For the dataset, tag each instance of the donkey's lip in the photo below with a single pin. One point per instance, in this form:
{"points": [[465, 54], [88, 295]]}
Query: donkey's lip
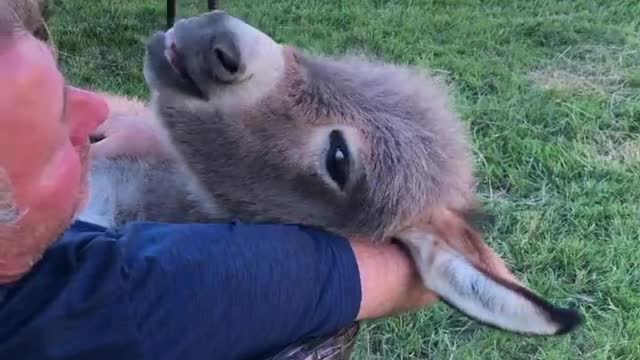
{"points": [[176, 60], [171, 54], [169, 41]]}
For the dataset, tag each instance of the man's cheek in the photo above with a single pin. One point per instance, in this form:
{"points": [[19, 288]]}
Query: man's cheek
{"points": [[61, 179]]}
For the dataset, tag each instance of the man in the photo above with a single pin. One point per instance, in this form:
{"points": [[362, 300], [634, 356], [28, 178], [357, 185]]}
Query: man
{"points": [[73, 290]]}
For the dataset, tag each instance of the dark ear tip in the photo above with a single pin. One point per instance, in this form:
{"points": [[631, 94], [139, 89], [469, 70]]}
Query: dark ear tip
{"points": [[568, 319]]}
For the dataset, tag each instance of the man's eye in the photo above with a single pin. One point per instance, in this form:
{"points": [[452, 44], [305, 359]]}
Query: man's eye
{"points": [[338, 159]]}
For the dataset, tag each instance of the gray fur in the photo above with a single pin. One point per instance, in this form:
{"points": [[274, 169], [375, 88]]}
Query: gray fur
{"points": [[414, 149], [127, 189]]}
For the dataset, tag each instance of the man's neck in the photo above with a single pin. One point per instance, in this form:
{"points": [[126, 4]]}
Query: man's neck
{"points": [[22, 246]]}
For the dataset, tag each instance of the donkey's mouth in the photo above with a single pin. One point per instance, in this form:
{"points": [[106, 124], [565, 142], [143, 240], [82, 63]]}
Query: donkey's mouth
{"points": [[176, 59], [166, 67]]}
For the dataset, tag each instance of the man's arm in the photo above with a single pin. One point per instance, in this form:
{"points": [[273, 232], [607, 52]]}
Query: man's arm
{"points": [[199, 291], [237, 291]]}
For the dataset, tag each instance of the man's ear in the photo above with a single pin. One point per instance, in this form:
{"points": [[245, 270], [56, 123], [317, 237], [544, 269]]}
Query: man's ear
{"points": [[456, 264]]}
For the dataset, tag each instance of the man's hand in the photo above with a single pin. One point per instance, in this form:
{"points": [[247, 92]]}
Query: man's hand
{"points": [[390, 281], [130, 130]]}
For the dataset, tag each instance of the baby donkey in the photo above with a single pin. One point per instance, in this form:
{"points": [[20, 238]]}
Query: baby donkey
{"points": [[368, 150]]}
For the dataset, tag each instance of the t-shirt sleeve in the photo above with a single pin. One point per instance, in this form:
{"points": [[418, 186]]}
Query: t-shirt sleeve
{"points": [[236, 291], [196, 291]]}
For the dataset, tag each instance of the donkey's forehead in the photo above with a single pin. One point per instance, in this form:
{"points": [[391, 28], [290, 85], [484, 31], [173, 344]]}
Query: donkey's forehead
{"points": [[397, 121], [413, 147]]}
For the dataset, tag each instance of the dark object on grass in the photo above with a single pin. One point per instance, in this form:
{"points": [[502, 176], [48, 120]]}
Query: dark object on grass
{"points": [[172, 8], [338, 346]]}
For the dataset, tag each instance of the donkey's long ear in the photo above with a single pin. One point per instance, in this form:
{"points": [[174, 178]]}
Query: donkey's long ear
{"points": [[455, 263]]}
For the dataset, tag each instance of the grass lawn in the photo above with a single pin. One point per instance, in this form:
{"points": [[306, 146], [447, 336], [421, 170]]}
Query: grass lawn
{"points": [[551, 90]]}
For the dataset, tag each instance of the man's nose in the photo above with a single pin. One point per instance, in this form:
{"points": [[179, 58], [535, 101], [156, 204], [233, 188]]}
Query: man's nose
{"points": [[85, 112]]}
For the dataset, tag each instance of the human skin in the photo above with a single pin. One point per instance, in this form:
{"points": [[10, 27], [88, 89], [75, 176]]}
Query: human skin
{"points": [[44, 148]]}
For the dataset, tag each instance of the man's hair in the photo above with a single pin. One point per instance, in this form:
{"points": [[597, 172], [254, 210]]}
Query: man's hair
{"points": [[9, 19], [24, 16]]}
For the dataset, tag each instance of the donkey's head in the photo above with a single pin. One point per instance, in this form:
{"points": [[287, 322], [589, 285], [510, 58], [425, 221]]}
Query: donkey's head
{"points": [[360, 148], [347, 145]]}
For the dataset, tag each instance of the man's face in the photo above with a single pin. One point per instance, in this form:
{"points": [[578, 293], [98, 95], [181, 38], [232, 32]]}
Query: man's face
{"points": [[44, 135]]}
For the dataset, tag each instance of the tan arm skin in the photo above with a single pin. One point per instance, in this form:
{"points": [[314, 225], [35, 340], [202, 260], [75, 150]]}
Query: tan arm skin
{"points": [[389, 279]]}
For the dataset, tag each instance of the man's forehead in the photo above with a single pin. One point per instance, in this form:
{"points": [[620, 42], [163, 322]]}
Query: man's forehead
{"points": [[25, 51], [26, 66]]}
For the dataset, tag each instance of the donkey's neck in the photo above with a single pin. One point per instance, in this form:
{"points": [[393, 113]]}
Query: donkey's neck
{"points": [[127, 189]]}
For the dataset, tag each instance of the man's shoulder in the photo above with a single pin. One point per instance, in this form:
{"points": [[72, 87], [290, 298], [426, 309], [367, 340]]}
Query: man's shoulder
{"points": [[67, 295], [82, 230]]}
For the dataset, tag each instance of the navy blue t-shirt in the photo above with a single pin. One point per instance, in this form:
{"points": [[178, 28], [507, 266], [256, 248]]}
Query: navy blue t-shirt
{"points": [[193, 291]]}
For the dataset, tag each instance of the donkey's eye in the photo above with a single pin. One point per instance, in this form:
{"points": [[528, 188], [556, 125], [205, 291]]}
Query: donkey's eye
{"points": [[96, 138], [338, 159]]}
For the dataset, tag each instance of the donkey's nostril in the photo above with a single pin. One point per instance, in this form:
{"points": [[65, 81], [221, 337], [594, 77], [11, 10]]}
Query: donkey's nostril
{"points": [[229, 62]]}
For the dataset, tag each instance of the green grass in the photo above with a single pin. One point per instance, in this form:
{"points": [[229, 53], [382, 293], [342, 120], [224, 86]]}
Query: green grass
{"points": [[551, 90]]}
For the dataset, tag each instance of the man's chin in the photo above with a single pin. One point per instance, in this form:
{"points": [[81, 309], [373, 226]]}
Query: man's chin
{"points": [[83, 189], [83, 192]]}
